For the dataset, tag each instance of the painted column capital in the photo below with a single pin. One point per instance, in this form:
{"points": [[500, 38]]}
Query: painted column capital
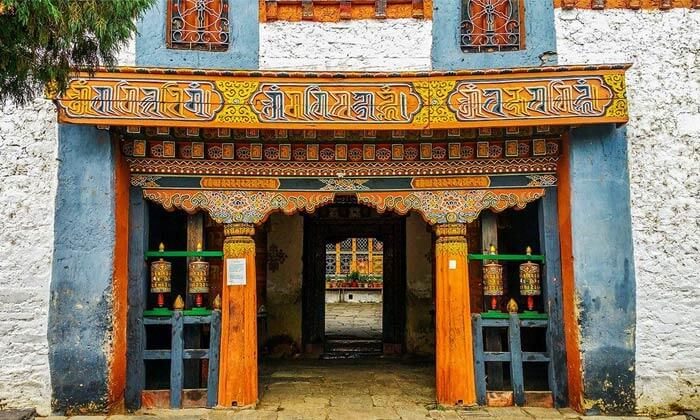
{"points": [[450, 229], [451, 239], [239, 240], [239, 229]]}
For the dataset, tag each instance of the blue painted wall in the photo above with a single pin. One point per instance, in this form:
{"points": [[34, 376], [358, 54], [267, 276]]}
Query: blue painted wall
{"points": [[603, 266], [151, 50], [80, 309], [540, 39]]}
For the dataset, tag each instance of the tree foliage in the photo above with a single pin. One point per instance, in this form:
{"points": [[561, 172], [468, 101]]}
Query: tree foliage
{"points": [[43, 41]]}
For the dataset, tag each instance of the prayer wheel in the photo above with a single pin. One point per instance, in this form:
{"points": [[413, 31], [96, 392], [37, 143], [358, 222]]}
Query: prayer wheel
{"points": [[161, 275], [199, 278], [530, 281], [493, 279]]}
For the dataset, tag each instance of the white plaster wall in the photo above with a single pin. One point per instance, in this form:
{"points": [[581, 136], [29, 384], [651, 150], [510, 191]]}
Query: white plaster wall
{"points": [[664, 141], [27, 192], [28, 165], [357, 45]]}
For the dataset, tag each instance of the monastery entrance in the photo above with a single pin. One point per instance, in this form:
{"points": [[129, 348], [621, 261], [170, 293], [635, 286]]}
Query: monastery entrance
{"points": [[439, 167]]}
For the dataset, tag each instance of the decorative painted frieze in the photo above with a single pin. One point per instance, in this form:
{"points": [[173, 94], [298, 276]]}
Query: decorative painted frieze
{"points": [[344, 184], [337, 10], [436, 207], [627, 4], [346, 101]]}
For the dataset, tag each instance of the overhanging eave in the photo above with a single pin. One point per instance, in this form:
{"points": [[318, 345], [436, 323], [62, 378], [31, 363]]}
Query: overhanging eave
{"points": [[560, 95]]}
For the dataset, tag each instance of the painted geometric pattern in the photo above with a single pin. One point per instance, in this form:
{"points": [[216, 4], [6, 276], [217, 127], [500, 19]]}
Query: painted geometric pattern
{"points": [[627, 4], [331, 136], [352, 152], [348, 169], [552, 95], [334, 11]]}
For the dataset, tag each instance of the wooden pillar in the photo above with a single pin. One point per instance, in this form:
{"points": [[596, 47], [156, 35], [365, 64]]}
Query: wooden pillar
{"points": [[238, 377], [454, 362], [489, 236]]}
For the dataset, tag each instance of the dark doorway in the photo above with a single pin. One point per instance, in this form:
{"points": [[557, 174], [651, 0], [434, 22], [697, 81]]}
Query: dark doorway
{"points": [[337, 223]]}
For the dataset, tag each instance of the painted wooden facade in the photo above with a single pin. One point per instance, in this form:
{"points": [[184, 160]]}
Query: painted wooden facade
{"points": [[449, 145]]}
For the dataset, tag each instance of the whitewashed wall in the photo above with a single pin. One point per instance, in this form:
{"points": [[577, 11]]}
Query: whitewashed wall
{"points": [[360, 45], [664, 140], [27, 192], [28, 165]]}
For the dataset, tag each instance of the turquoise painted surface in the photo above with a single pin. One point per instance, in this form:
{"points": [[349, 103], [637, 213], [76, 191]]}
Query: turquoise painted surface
{"points": [[540, 39], [151, 50], [604, 266], [80, 308]]}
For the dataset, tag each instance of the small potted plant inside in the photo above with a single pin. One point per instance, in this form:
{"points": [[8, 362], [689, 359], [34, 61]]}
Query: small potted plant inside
{"points": [[364, 280], [354, 278]]}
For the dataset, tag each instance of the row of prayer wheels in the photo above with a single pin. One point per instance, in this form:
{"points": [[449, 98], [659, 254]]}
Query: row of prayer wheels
{"points": [[529, 280], [161, 278]]}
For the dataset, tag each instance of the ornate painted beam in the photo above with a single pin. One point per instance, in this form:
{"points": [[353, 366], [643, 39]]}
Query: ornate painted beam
{"points": [[254, 207], [127, 96]]}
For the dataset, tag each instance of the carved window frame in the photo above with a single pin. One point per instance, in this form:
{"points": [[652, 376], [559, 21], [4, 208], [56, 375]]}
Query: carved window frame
{"points": [[213, 36], [509, 36]]}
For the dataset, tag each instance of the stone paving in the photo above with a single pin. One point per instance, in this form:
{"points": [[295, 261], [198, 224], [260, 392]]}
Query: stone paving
{"points": [[348, 390], [358, 320]]}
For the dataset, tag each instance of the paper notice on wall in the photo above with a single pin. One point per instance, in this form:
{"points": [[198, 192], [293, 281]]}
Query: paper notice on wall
{"points": [[235, 272]]}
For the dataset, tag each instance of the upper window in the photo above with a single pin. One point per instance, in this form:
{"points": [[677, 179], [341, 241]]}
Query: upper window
{"points": [[198, 24], [492, 25]]}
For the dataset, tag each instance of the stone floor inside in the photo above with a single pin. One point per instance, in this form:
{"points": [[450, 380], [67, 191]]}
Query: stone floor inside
{"points": [[358, 320], [351, 389]]}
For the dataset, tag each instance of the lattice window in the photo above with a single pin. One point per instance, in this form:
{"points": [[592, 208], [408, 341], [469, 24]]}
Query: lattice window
{"points": [[198, 24], [330, 264], [492, 25]]}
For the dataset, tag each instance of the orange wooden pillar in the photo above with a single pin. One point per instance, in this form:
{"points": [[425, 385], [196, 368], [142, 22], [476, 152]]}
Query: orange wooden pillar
{"points": [[454, 359], [238, 376]]}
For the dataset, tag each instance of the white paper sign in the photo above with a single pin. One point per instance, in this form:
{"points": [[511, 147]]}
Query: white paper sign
{"points": [[235, 272], [453, 264]]}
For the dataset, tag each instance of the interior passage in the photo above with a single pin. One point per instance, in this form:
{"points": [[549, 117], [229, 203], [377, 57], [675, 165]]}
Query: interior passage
{"points": [[354, 320]]}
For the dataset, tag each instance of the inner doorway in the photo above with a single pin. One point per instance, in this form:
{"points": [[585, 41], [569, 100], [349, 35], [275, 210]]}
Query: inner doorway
{"points": [[354, 289], [354, 282]]}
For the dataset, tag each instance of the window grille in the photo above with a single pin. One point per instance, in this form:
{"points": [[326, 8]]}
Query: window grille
{"points": [[198, 24], [491, 25]]}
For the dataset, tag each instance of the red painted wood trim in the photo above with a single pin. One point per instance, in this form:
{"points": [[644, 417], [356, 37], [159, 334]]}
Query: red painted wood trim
{"points": [[117, 363], [571, 330]]}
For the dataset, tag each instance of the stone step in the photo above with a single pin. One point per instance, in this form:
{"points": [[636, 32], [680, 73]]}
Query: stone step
{"points": [[352, 348]]}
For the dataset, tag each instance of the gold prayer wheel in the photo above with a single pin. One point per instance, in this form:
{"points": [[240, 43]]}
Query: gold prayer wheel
{"points": [[161, 275], [493, 279], [199, 277], [530, 280]]}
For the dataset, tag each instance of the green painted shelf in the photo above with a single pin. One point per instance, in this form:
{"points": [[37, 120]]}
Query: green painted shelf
{"points": [[506, 257], [165, 312], [505, 315], [183, 254]]}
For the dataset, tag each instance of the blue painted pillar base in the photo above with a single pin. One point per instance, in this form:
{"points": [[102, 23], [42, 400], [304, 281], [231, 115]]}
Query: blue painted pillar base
{"points": [[80, 309], [603, 267]]}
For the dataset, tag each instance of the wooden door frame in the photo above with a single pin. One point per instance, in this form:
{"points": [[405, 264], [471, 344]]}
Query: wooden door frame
{"points": [[391, 230]]}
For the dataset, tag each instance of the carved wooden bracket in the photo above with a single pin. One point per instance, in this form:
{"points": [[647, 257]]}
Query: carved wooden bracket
{"points": [[436, 207]]}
